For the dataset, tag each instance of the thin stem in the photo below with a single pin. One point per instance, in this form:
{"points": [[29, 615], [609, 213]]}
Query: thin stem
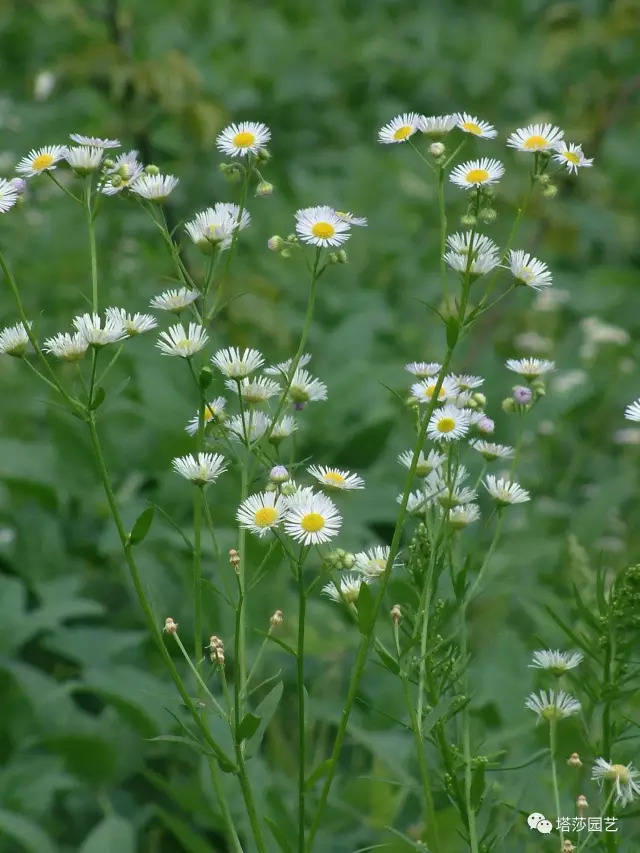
{"points": [[240, 634], [302, 606], [466, 739], [554, 775], [92, 245], [200, 681], [197, 575], [443, 230], [63, 188], [224, 807]]}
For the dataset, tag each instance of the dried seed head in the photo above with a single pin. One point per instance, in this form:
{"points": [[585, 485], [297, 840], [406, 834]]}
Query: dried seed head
{"points": [[170, 627], [581, 802], [276, 619], [396, 613], [568, 847], [216, 650], [574, 760], [234, 558]]}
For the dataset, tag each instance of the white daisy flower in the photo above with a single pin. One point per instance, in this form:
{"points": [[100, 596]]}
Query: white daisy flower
{"points": [[552, 705], [530, 368], [529, 270], [174, 300], [632, 412], [312, 519], [215, 226], [490, 450], [426, 464], [572, 157], [95, 333], [305, 388], [556, 661], [424, 391], [460, 243], [504, 491], [321, 226], [125, 170], [182, 343], [213, 413], [474, 126], [423, 369], [254, 425], [40, 160], [477, 173], [8, 195], [335, 478], [247, 137], [283, 367], [535, 137], [466, 382], [462, 515], [83, 159], [348, 589], [154, 187], [625, 778], [202, 469], [14, 340], [448, 424], [351, 218], [285, 427], [450, 492], [94, 141], [415, 502], [261, 513], [133, 324], [372, 562], [235, 363], [66, 347], [481, 264], [485, 253], [254, 391], [400, 128], [437, 126]]}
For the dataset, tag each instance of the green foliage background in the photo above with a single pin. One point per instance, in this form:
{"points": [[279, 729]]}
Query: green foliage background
{"points": [[83, 690]]}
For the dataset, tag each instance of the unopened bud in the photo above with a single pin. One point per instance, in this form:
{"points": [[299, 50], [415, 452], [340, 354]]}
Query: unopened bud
{"points": [[152, 169], [278, 474], [108, 163], [264, 155], [234, 558], [508, 405], [437, 149], [19, 185], [522, 395], [275, 243], [480, 399], [574, 760], [285, 253], [550, 191], [264, 189], [581, 802], [343, 258], [539, 387], [468, 220], [396, 613], [205, 377], [487, 215], [486, 426], [276, 619], [170, 627], [289, 489]]}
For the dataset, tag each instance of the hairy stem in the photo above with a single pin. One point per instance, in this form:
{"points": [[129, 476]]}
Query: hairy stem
{"points": [[302, 606]]}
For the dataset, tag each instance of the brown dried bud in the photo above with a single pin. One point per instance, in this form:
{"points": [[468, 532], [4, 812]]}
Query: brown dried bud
{"points": [[276, 619], [396, 613], [582, 803], [234, 558], [170, 627], [216, 650], [574, 760], [568, 847]]}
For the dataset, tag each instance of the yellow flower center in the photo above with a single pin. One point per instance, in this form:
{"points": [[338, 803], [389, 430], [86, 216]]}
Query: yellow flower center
{"points": [[334, 477], [244, 139], [323, 230], [477, 176], [428, 392], [571, 156], [265, 516], [446, 424], [618, 772], [403, 132], [472, 127], [312, 522], [535, 143], [42, 161], [209, 414], [526, 274]]}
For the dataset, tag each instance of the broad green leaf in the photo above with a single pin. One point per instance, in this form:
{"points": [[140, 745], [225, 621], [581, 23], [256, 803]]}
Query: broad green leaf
{"points": [[247, 727], [25, 832], [113, 834], [141, 526], [265, 711]]}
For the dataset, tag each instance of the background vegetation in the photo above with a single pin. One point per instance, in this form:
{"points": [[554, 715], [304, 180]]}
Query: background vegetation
{"points": [[82, 687]]}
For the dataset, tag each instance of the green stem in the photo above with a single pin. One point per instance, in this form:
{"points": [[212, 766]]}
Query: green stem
{"points": [[64, 189], [302, 606], [197, 576], [199, 680], [466, 739], [92, 246], [443, 230], [240, 640], [224, 807], [554, 775]]}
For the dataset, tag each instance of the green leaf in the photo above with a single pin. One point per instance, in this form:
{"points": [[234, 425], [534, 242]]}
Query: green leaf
{"points": [[388, 661], [98, 398], [265, 711], [193, 744], [453, 330], [366, 609], [113, 834], [280, 835], [27, 833], [321, 770], [248, 726], [141, 526], [477, 787]]}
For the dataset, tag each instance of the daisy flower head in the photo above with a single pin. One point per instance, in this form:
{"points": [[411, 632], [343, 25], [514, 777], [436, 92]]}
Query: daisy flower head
{"points": [[97, 334], [283, 428], [530, 368], [484, 253], [321, 226], [261, 513], [254, 391], [426, 464], [625, 779], [93, 141], [203, 469], [334, 478], [490, 450], [529, 270], [461, 244], [305, 388], [351, 218], [466, 382], [535, 137], [14, 340], [423, 369], [415, 502], [632, 411], [347, 589], [572, 157], [40, 160], [400, 128], [8, 195], [133, 324], [213, 413], [437, 126], [424, 391], [552, 705], [125, 170], [174, 300], [283, 367], [372, 562], [247, 137], [237, 364], [470, 124], [312, 518], [181, 342], [66, 347], [448, 424], [505, 492], [154, 188], [462, 515], [215, 226], [83, 159], [481, 262], [253, 428], [477, 173], [450, 493], [556, 661]]}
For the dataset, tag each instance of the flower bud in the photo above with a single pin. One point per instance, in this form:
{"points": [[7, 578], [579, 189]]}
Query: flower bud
{"points": [[550, 191], [488, 215], [279, 474], [396, 613], [19, 185], [289, 489], [234, 558], [437, 149], [508, 405], [522, 395], [205, 377], [539, 387], [581, 803], [108, 163], [479, 399], [264, 189], [264, 155], [468, 220], [276, 619], [342, 256], [152, 169], [568, 847], [170, 627], [574, 760], [285, 253], [275, 243], [486, 426]]}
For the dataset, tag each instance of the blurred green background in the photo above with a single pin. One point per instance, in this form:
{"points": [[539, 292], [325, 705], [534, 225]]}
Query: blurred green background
{"points": [[82, 687]]}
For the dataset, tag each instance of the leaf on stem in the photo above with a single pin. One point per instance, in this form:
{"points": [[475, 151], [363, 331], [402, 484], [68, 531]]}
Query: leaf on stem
{"points": [[141, 526]]}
